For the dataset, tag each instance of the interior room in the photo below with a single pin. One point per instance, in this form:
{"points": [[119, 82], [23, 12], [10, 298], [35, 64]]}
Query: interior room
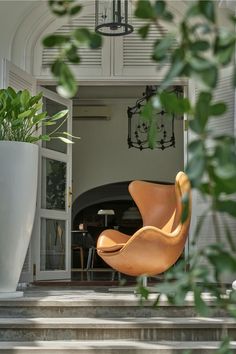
{"points": [[100, 120]]}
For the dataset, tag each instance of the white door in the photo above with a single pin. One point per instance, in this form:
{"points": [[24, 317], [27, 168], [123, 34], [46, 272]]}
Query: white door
{"points": [[11, 75], [52, 242], [221, 125]]}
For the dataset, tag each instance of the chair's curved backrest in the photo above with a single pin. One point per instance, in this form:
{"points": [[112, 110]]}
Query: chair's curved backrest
{"points": [[159, 204]]}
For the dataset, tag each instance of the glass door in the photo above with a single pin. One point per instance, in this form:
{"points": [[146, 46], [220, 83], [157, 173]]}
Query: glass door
{"points": [[53, 242]]}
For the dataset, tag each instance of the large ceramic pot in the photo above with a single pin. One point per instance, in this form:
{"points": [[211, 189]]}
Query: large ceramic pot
{"points": [[18, 191]]}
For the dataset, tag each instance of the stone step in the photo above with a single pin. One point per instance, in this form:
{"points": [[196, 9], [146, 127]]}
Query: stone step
{"points": [[109, 347], [67, 305], [144, 329]]}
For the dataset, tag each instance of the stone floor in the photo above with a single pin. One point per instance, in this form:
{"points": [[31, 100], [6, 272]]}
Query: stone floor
{"points": [[93, 293]]}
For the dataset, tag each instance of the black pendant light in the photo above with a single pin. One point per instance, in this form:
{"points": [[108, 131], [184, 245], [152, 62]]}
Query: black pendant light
{"points": [[138, 130], [111, 18]]}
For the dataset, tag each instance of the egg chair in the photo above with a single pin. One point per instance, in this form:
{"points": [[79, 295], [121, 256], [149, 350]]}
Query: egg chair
{"points": [[160, 242]]}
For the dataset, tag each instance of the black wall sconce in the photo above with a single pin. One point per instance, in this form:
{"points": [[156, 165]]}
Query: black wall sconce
{"points": [[165, 124]]}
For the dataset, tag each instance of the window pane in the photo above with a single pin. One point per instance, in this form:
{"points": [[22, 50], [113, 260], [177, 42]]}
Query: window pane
{"points": [[53, 184], [52, 245], [52, 107]]}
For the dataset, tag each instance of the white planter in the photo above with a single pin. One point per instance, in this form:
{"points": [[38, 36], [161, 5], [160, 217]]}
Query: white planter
{"points": [[18, 191]]}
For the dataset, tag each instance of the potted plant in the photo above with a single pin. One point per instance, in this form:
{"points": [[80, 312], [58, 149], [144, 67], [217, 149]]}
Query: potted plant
{"points": [[21, 123]]}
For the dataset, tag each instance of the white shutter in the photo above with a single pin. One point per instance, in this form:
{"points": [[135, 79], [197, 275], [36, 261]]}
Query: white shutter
{"points": [[219, 125], [138, 51], [17, 78], [133, 55], [20, 80], [88, 56]]}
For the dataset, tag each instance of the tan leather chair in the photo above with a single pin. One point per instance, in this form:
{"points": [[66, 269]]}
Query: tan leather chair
{"points": [[160, 242]]}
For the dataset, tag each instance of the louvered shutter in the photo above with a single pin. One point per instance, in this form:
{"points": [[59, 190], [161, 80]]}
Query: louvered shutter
{"points": [[133, 54], [19, 80], [220, 125], [94, 62]]}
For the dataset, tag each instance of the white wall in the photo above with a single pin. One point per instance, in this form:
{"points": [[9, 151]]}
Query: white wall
{"points": [[12, 14], [102, 155], [18, 19]]}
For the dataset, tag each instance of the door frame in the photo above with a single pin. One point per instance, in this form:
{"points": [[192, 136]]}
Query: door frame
{"points": [[54, 214], [136, 82]]}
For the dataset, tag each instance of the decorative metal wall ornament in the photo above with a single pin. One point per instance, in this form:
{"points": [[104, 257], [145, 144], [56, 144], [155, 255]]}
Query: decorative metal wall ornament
{"points": [[138, 129], [111, 18]]}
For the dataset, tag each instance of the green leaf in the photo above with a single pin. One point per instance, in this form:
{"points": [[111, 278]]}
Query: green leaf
{"points": [[229, 236], [199, 45], [32, 139], [152, 134], [196, 147], [11, 92], [144, 30], [48, 123], [226, 170], [210, 77], [67, 85], [225, 186], [162, 46], [218, 109], [36, 99], [45, 137], [198, 228], [75, 10], [224, 347], [198, 63], [95, 41], [24, 114], [207, 8], [147, 111], [60, 7], [224, 160], [196, 168], [224, 54], [70, 135], [159, 7], [72, 55], [81, 35], [175, 70], [39, 117], [193, 10], [167, 16], [56, 67], [226, 206], [173, 104], [65, 140], [202, 28], [222, 260], [59, 115], [144, 10], [55, 40], [201, 112], [24, 97], [185, 205], [199, 303]]}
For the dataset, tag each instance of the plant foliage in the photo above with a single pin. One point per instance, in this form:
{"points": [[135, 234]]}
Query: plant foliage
{"points": [[68, 46], [203, 50], [22, 117]]}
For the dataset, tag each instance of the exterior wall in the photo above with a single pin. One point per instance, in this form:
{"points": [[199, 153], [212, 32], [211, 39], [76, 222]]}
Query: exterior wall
{"points": [[12, 14], [23, 23], [102, 155]]}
